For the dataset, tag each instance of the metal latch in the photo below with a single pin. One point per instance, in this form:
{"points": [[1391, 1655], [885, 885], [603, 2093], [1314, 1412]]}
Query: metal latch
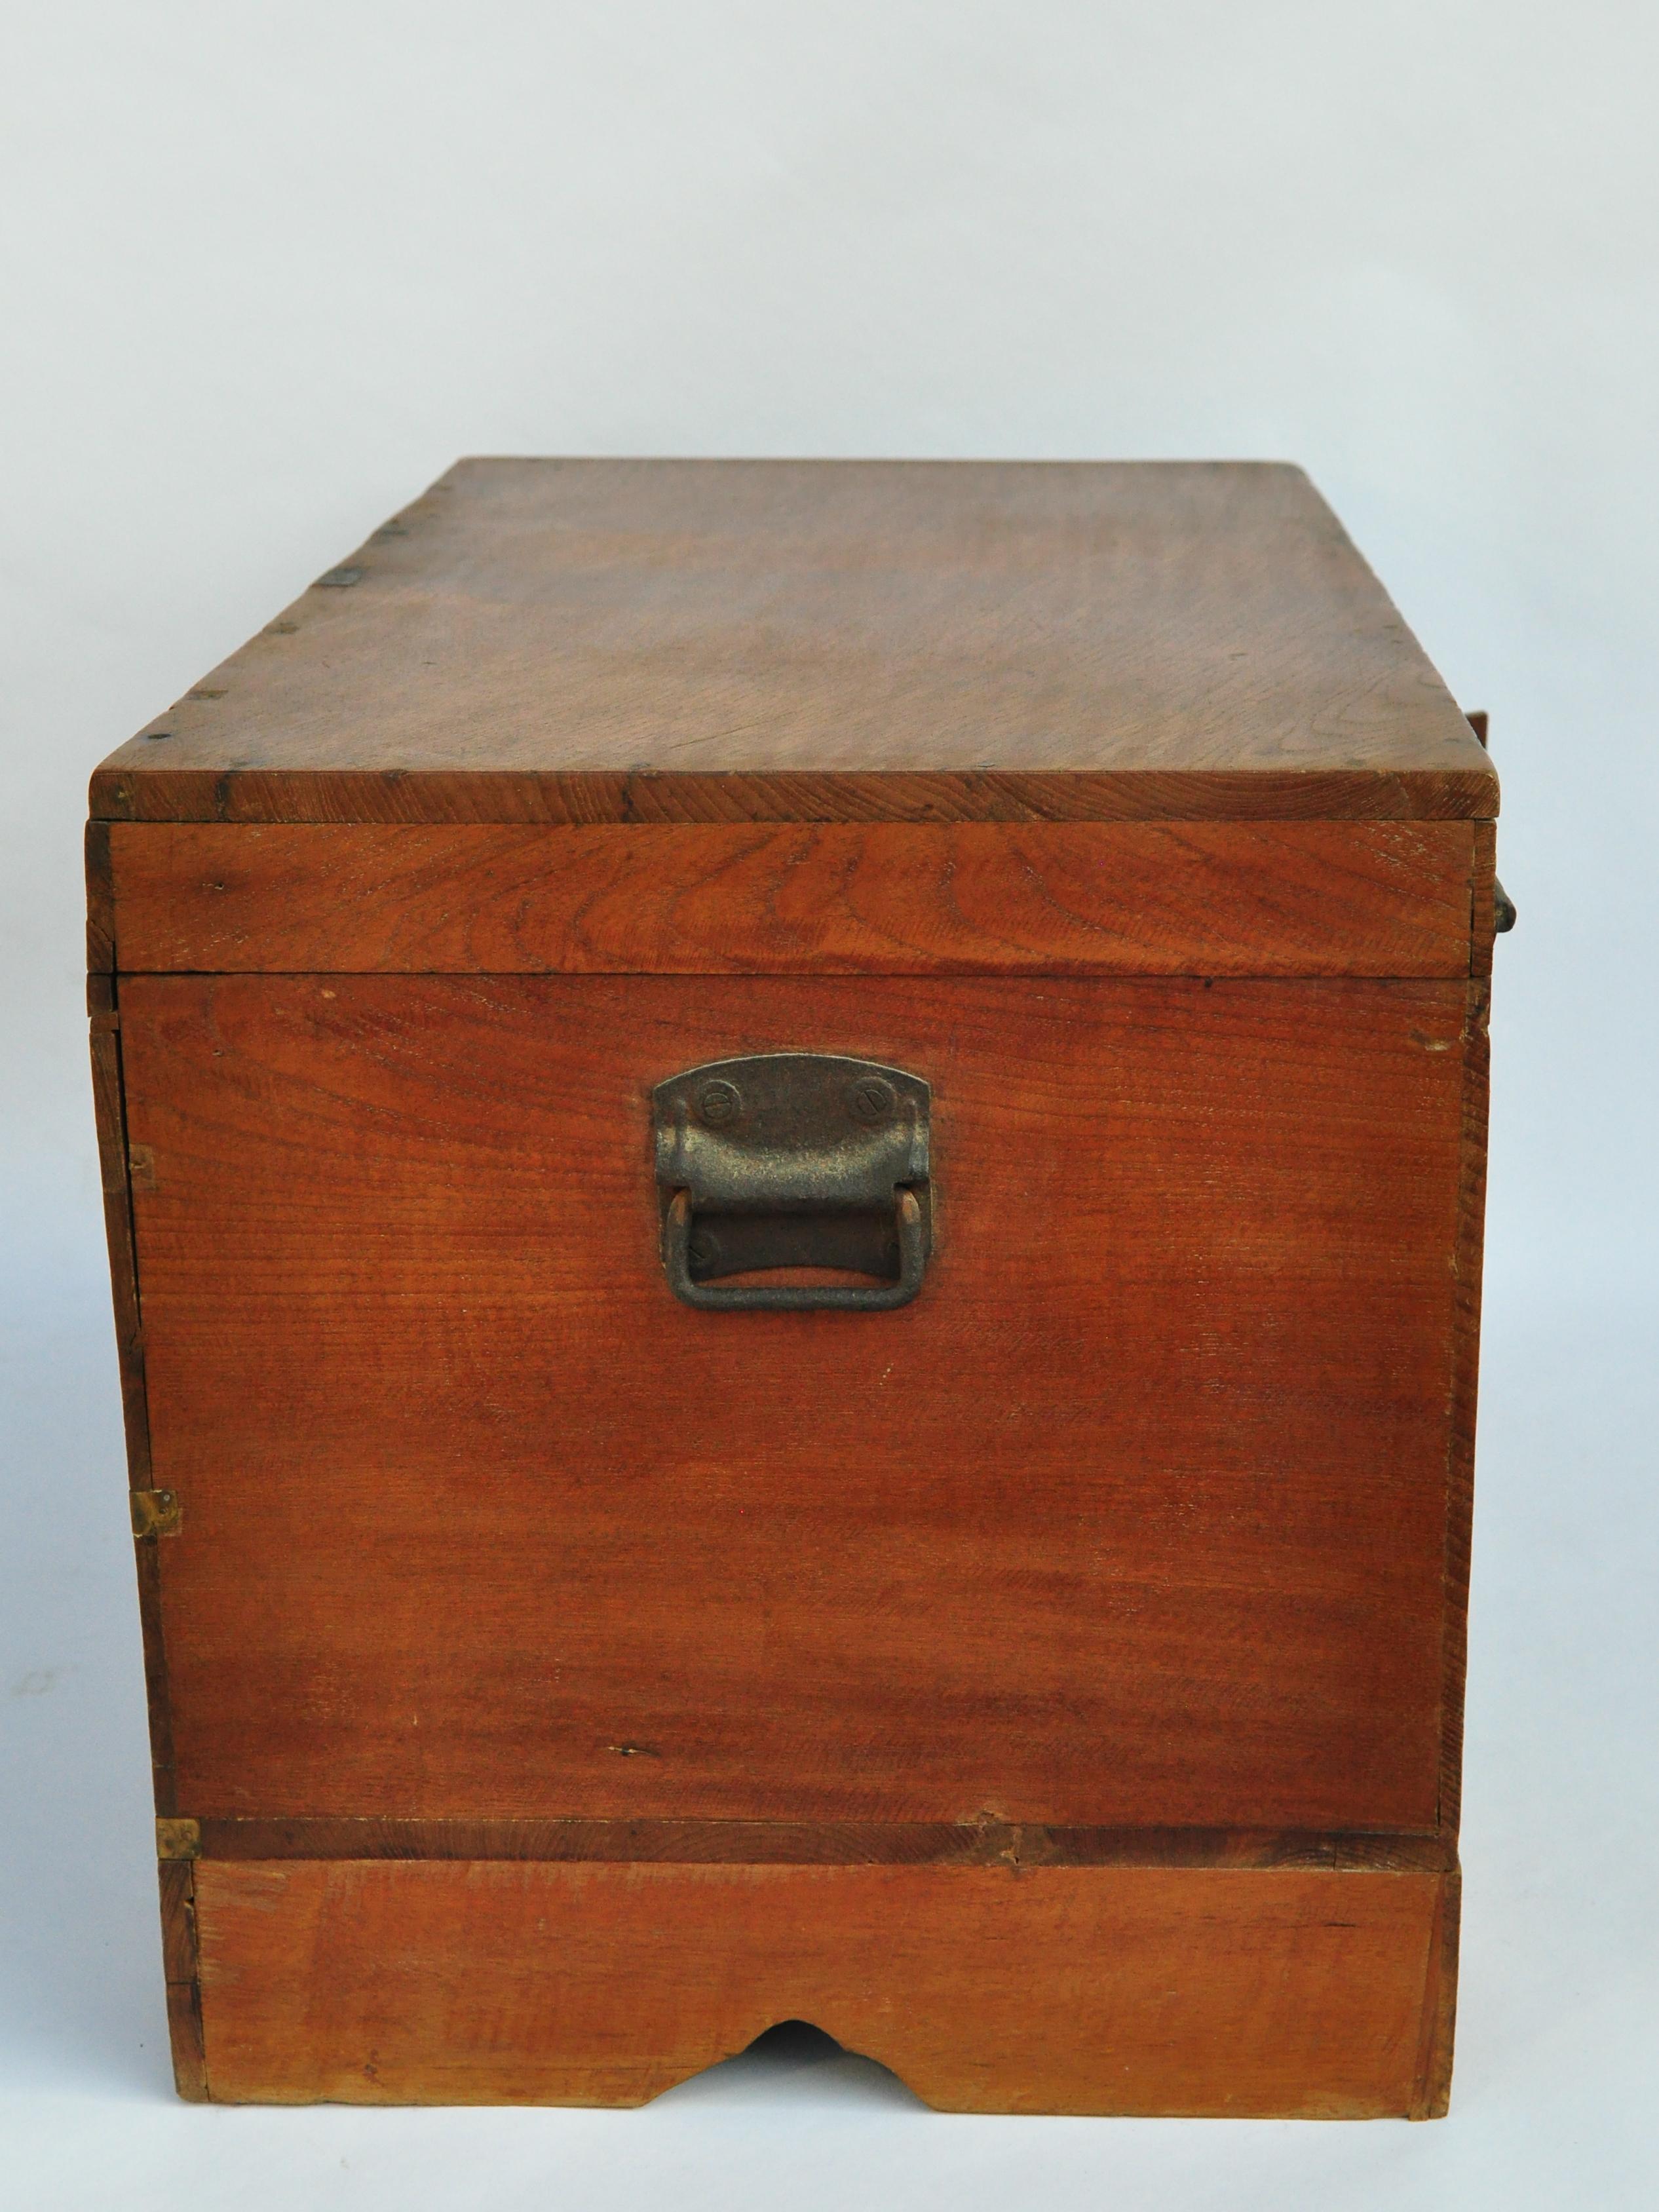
{"points": [[793, 1159]]}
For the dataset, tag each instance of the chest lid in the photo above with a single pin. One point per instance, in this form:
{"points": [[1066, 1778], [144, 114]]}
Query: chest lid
{"points": [[672, 641]]}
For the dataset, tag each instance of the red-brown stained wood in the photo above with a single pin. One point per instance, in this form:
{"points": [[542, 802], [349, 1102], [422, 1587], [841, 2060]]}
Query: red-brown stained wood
{"points": [[101, 911], [179, 1956], [1137, 1515], [1483, 913], [1053, 1687], [1432, 2100], [175, 1879], [1135, 898], [1466, 1262], [118, 794], [185, 2036], [158, 1700], [829, 1843], [110, 1114], [604, 641], [1136, 1990], [1462, 1394]]}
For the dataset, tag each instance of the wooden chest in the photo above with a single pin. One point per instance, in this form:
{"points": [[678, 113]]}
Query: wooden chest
{"points": [[795, 1164]]}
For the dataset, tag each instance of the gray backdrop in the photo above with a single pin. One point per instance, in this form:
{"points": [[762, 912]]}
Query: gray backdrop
{"points": [[266, 270]]}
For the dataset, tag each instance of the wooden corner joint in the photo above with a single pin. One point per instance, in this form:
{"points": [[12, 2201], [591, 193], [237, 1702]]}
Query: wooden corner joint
{"points": [[178, 1839], [155, 1512], [182, 1968]]}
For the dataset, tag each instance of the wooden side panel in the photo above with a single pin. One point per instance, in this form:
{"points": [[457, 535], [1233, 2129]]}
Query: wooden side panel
{"points": [[1433, 2097], [1328, 898], [1467, 1266], [1130, 1991], [101, 906], [1467, 1263], [1137, 1515], [177, 1885], [108, 1108]]}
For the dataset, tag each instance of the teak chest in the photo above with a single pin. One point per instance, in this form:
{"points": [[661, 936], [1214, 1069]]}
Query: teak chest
{"points": [[794, 1157]]}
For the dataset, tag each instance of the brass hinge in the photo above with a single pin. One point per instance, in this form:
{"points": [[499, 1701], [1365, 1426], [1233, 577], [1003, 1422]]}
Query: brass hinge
{"points": [[178, 1839], [155, 1512]]}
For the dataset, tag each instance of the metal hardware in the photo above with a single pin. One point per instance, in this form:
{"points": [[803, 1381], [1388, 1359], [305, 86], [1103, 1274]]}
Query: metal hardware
{"points": [[178, 1839], [155, 1512], [793, 1159]]}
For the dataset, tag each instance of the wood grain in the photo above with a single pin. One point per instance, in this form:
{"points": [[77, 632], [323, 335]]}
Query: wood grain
{"points": [[1464, 1347], [1135, 898], [583, 641], [1053, 1688], [125, 793], [826, 1842], [1483, 906], [109, 1108], [1432, 2100], [1136, 1516], [178, 1958], [1463, 1393], [1127, 1989], [101, 908], [109, 1112]]}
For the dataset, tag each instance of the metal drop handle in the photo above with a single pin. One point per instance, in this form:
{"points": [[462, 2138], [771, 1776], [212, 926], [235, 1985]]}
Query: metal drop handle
{"points": [[793, 1297], [793, 1159]]}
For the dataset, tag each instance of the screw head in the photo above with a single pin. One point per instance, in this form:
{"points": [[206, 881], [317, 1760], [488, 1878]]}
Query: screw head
{"points": [[870, 1100], [718, 1104]]}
